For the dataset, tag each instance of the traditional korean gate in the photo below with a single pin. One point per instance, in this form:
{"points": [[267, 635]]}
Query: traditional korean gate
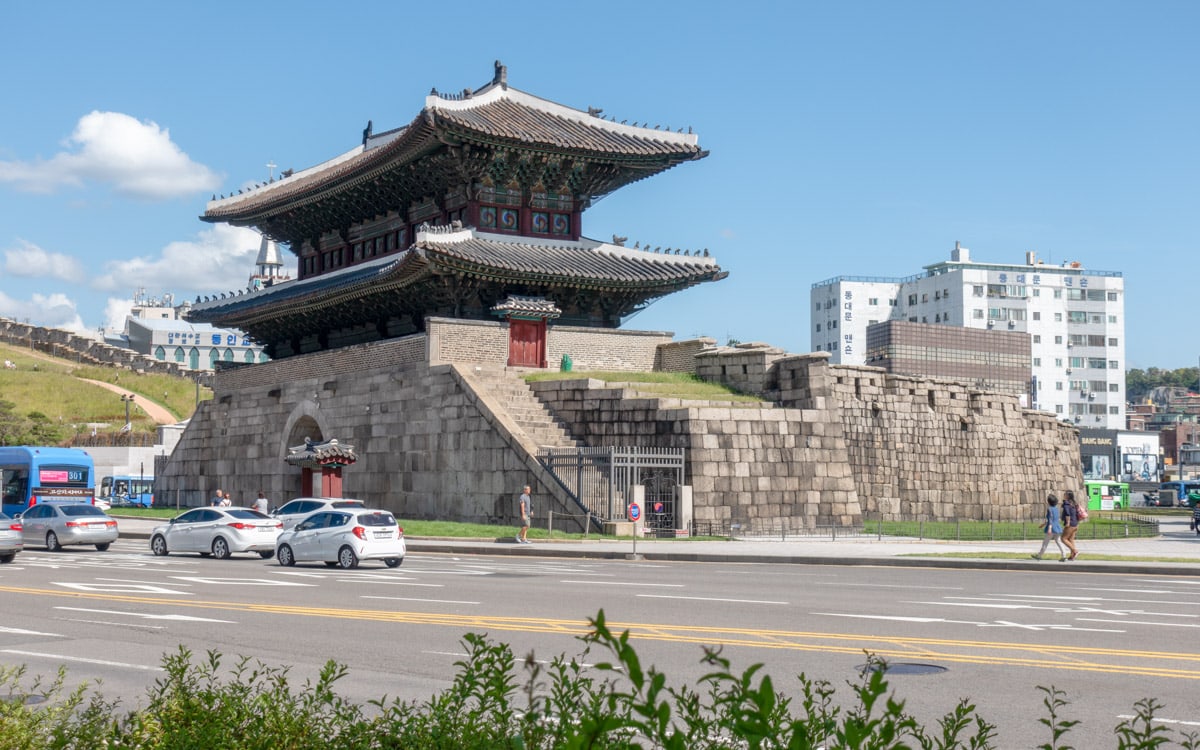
{"points": [[526, 343]]}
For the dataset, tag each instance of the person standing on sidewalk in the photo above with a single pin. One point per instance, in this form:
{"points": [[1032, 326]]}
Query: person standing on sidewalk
{"points": [[1070, 523], [1052, 529], [525, 506]]}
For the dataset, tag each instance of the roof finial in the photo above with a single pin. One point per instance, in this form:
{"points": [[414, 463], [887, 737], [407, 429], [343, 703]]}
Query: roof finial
{"points": [[501, 76], [367, 131]]}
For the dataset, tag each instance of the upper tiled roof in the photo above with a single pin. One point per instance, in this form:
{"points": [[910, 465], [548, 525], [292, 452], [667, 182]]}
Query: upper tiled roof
{"points": [[494, 116]]}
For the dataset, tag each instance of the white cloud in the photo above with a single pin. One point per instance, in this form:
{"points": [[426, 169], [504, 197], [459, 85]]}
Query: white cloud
{"points": [[29, 261], [217, 260], [53, 311], [136, 158], [116, 310]]}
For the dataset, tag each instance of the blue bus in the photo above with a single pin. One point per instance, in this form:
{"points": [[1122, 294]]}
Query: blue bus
{"points": [[124, 490], [35, 474]]}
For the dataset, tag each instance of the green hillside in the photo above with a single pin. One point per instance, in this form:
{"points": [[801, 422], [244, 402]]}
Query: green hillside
{"points": [[45, 400]]}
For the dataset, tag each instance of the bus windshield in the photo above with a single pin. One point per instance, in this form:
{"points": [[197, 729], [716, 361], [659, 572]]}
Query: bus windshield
{"points": [[124, 489]]}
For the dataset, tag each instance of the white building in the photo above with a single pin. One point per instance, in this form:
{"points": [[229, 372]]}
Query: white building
{"points": [[1075, 318]]}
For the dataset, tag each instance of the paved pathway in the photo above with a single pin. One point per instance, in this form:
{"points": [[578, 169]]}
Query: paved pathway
{"points": [[153, 410]]}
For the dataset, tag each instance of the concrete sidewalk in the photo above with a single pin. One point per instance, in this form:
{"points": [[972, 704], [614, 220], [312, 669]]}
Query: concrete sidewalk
{"points": [[1176, 542]]}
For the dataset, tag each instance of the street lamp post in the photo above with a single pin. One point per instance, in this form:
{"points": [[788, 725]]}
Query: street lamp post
{"points": [[128, 428]]}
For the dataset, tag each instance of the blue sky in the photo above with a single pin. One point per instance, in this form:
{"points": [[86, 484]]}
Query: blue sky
{"points": [[847, 138]]}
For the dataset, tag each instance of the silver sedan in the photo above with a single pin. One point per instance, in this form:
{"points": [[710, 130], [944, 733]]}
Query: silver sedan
{"points": [[11, 539], [218, 532], [59, 524]]}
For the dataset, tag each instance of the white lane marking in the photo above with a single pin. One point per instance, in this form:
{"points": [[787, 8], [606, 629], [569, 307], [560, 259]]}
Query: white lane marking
{"points": [[140, 588], [239, 581], [20, 631], [413, 599], [1161, 720], [1016, 597], [987, 604], [709, 599], [178, 618], [127, 626], [1139, 622], [395, 583], [81, 660], [630, 584], [996, 624], [1168, 582], [125, 580], [1128, 591], [887, 586]]}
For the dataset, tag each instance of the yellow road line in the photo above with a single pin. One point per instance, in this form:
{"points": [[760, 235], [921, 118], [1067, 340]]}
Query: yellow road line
{"points": [[1114, 661]]}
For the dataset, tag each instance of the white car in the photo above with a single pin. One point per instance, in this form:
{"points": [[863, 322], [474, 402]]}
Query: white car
{"points": [[218, 532], [11, 539], [59, 524], [343, 537], [291, 513]]}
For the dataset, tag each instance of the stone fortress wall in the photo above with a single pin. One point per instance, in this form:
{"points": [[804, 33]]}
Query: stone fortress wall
{"points": [[829, 444]]}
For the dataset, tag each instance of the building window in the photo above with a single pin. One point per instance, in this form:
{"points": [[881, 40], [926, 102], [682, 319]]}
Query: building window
{"points": [[1112, 319], [1114, 387], [1037, 292], [977, 290], [1058, 385], [893, 301], [1037, 338], [1037, 315], [1058, 408], [925, 297], [937, 318], [1112, 296], [912, 299], [1037, 361], [872, 300], [1058, 340], [818, 307], [1112, 342], [912, 318], [1057, 317], [832, 324], [1114, 364], [818, 327], [977, 314], [160, 353], [1057, 294], [1058, 361]]}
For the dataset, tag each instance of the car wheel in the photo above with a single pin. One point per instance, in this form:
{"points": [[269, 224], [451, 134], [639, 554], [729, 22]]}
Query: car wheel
{"points": [[346, 558], [102, 547], [393, 562], [7, 558], [158, 545], [285, 556], [220, 548], [267, 554], [52, 544]]}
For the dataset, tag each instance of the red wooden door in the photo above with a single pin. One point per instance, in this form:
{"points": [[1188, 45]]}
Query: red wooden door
{"points": [[527, 343]]}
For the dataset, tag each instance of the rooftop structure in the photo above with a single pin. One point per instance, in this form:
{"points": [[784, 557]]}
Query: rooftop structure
{"points": [[479, 199]]}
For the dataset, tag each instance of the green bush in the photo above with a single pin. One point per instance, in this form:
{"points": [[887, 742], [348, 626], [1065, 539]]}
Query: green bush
{"points": [[612, 704]]}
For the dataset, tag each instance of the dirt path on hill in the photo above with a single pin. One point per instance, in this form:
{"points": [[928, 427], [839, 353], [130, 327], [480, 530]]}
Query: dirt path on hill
{"points": [[153, 410]]}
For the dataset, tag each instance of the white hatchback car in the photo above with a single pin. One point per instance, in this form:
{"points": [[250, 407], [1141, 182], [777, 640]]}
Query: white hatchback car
{"points": [[291, 513], [218, 532], [343, 537]]}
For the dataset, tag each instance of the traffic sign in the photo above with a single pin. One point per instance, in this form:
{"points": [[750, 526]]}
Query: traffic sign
{"points": [[635, 511]]}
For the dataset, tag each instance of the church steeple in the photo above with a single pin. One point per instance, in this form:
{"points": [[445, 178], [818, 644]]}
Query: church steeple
{"points": [[268, 266]]}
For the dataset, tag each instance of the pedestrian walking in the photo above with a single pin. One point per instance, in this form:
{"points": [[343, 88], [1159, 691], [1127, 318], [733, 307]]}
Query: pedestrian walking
{"points": [[525, 506], [1052, 528], [1070, 523], [226, 501], [217, 498]]}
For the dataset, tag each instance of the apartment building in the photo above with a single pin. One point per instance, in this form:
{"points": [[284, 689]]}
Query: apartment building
{"points": [[1075, 318]]}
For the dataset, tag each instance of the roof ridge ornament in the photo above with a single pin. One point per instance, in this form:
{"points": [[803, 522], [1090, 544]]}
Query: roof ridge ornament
{"points": [[501, 75]]}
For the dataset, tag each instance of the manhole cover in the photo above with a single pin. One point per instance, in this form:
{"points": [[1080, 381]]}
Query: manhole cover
{"points": [[903, 668], [28, 700]]}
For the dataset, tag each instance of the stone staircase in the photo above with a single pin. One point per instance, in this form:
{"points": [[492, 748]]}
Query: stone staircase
{"points": [[509, 391]]}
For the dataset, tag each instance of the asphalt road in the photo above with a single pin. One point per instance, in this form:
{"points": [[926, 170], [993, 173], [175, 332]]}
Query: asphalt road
{"points": [[1106, 638]]}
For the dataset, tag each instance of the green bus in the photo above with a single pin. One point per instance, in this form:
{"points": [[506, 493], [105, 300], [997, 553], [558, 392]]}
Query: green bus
{"points": [[1105, 495]]}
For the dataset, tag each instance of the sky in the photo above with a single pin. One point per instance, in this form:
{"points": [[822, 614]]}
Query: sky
{"points": [[844, 138]]}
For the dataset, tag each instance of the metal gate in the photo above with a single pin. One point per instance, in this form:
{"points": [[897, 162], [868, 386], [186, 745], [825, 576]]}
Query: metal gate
{"points": [[600, 480]]}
